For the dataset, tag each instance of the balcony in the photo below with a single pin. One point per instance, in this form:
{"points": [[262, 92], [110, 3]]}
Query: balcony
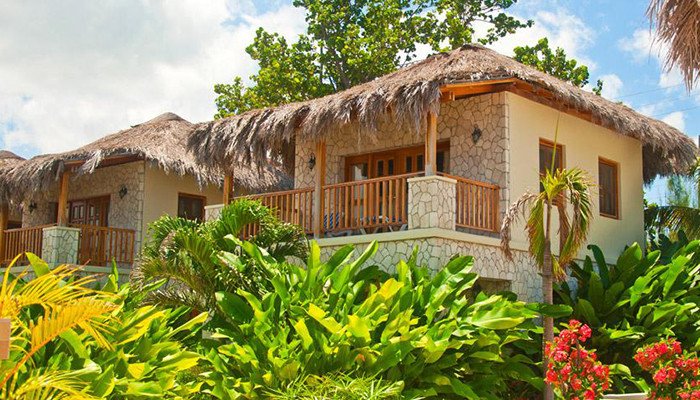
{"points": [[387, 204], [74, 244]]}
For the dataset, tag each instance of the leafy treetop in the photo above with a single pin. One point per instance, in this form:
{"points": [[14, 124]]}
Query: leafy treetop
{"points": [[348, 42], [555, 62]]}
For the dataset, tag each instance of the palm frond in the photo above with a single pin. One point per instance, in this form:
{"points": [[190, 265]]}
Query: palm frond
{"points": [[678, 25], [54, 385], [577, 186], [677, 218], [512, 215]]}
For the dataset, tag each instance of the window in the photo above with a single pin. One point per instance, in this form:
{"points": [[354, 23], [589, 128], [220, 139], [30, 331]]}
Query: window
{"points": [[546, 152], [394, 162], [191, 207], [608, 187]]}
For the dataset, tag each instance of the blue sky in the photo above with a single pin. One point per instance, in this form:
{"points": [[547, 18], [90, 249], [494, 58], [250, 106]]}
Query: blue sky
{"points": [[76, 70]]}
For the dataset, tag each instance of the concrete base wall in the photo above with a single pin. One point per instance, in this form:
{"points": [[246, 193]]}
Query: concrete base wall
{"points": [[437, 246]]}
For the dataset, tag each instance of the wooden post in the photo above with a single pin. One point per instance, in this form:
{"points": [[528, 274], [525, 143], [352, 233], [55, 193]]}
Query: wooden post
{"points": [[228, 188], [5, 332], [431, 145], [320, 181], [62, 219], [4, 217]]}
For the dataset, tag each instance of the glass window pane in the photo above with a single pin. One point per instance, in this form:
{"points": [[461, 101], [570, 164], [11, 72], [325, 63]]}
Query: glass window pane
{"points": [[409, 164], [419, 161], [607, 181], [390, 167]]}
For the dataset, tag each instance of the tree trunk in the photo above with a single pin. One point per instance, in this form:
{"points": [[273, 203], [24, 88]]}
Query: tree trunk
{"points": [[548, 298]]}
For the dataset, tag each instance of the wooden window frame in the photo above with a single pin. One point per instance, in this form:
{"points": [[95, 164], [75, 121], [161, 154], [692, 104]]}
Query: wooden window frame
{"points": [[397, 154], [616, 167], [192, 196], [560, 148]]}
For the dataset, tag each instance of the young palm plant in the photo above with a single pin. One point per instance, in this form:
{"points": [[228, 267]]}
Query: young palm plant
{"points": [[677, 217], [199, 259], [52, 304], [558, 189]]}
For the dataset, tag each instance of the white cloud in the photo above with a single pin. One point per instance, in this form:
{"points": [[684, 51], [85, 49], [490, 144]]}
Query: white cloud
{"points": [[73, 71], [675, 119], [612, 86], [561, 27]]}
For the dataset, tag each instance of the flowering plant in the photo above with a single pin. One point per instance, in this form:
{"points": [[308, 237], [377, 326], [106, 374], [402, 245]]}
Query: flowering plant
{"points": [[574, 372], [675, 373]]}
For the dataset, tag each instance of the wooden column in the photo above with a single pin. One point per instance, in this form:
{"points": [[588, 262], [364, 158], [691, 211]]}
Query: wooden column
{"points": [[319, 182], [62, 219], [228, 188], [4, 217], [431, 145]]}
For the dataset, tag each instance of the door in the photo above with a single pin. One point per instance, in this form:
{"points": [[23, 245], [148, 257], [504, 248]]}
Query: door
{"points": [[91, 215]]}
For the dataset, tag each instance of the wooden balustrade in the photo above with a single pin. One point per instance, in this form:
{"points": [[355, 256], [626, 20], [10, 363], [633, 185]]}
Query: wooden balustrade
{"points": [[21, 240], [292, 206], [100, 245], [369, 204], [477, 204]]}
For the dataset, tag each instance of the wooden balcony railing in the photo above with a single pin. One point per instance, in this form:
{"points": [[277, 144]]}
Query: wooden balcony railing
{"points": [[292, 206], [477, 204], [369, 204], [101, 245], [21, 240]]}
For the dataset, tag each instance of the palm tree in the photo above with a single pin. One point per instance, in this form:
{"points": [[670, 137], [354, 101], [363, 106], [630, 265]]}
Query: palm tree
{"points": [[677, 216], [678, 25], [197, 260], [40, 310], [557, 189]]}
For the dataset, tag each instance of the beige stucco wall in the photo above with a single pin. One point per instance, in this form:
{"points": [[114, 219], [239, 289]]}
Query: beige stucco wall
{"points": [[583, 143], [161, 194]]}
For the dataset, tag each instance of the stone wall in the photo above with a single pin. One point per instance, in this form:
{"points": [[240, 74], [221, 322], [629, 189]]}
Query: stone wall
{"points": [[487, 160], [432, 202], [60, 245], [520, 274], [124, 212]]}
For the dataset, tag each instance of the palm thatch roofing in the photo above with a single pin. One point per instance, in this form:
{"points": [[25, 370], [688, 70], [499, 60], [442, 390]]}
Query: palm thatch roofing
{"points": [[161, 141], [8, 158], [407, 95], [678, 24]]}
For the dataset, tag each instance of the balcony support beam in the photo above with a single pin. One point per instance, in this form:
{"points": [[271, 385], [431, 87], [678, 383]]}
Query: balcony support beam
{"points": [[62, 217], [320, 181], [228, 187], [431, 145], [4, 217]]}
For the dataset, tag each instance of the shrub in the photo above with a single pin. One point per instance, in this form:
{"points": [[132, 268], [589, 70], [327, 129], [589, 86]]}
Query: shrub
{"points": [[636, 301], [573, 371], [340, 317], [674, 374], [338, 387]]}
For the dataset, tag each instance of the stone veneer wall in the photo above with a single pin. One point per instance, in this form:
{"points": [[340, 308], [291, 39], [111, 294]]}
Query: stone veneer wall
{"points": [[123, 213], [435, 252], [60, 245], [487, 160]]}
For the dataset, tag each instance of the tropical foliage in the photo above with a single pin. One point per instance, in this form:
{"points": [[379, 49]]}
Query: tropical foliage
{"points": [[338, 316], [637, 300], [681, 212], [347, 43], [72, 341], [197, 260]]}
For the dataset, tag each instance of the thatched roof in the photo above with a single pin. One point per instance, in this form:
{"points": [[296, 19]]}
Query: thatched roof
{"points": [[161, 141], [405, 97], [678, 24], [8, 158]]}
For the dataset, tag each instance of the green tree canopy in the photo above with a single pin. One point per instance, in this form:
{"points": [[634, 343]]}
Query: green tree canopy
{"points": [[348, 42], [555, 62]]}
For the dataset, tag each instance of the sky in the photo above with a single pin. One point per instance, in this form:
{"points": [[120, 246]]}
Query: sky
{"points": [[73, 71]]}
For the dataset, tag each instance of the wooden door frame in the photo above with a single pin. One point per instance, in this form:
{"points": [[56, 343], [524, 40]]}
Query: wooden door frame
{"points": [[103, 198], [398, 154], [192, 196]]}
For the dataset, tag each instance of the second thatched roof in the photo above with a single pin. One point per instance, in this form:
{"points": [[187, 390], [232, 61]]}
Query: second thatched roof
{"points": [[407, 95], [161, 141]]}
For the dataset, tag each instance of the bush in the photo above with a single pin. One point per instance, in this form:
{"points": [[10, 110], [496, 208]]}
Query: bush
{"points": [[338, 387], [638, 300], [674, 374], [340, 317]]}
